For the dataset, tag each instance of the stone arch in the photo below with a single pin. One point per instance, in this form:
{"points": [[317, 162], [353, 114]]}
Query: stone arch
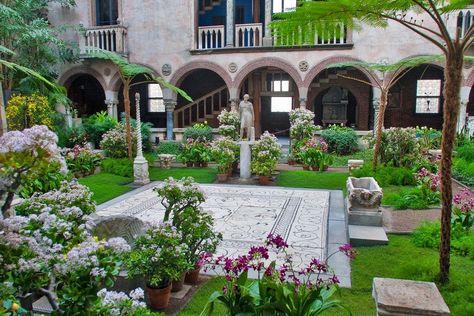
{"points": [[115, 82], [267, 62], [66, 78], [316, 70], [181, 73]]}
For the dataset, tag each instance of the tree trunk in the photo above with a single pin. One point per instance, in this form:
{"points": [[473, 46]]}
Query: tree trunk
{"points": [[126, 102], [452, 85], [378, 133]]}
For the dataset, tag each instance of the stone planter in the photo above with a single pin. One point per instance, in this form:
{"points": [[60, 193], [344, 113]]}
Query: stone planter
{"points": [[159, 297], [222, 177], [192, 276], [166, 160], [363, 201]]}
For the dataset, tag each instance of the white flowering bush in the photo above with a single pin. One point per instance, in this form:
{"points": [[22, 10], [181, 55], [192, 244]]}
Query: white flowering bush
{"points": [[229, 124], [114, 142], [119, 303], [158, 255], [302, 129], [25, 153], [84, 270], [224, 152], [265, 154]]}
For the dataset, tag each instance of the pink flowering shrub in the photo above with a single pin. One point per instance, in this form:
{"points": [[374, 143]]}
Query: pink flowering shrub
{"points": [[23, 153], [314, 153], [463, 209], [82, 160], [278, 290]]}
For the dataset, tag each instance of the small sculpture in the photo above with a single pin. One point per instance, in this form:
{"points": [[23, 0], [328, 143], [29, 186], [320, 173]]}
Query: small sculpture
{"points": [[246, 119]]}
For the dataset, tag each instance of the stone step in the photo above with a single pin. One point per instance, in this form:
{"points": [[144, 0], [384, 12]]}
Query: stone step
{"points": [[367, 235]]}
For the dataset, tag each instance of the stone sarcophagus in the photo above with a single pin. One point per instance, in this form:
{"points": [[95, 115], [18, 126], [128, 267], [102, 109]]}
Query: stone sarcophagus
{"points": [[364, 196]]}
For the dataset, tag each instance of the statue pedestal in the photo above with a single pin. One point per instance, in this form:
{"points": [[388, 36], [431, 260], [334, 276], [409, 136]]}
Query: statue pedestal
{"points": [[140, 171], [245, 159]]}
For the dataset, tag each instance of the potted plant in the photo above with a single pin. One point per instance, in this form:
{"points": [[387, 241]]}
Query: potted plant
{"points": [[186, 154], [310, 155], [160, 257], [205, 155], [223, 152], [265, 155]]}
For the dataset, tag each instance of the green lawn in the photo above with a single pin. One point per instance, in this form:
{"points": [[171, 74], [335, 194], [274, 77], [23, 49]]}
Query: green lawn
{"points": [[341, 161], [106, 186], [200, 175], [400, 259], [313, 180], [390, 193]]}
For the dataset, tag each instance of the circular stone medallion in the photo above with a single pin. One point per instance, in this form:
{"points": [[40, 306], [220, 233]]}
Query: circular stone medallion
{"points": [[166, 69], [233, 67], [303, 65]]}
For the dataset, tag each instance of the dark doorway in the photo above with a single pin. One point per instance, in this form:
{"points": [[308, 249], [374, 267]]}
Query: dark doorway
{"points": [[274, 114], [87, 95]]}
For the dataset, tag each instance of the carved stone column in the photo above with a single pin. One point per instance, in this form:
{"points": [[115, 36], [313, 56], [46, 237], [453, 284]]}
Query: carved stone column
{"points": [[303, 103], [140, 164], [376, 103], [230, 24], [170, 105], [267, 38]]}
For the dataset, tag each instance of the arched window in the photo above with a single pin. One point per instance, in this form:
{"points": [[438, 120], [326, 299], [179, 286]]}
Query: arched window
{"points": [[155, 99], [106, 12]]}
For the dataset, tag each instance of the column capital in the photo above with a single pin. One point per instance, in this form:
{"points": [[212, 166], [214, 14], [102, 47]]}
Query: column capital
{"points": [[170, 104], [111, 102]]}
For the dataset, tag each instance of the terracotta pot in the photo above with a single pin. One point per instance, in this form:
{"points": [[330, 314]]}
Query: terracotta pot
{"points": [[197, 164], [177, 285], [204, 164], [229, 173], [291, 162], [315, 168], [222, 177], [305, 167], [189, 164], [159, 298], [263, 180], [192, 276]]}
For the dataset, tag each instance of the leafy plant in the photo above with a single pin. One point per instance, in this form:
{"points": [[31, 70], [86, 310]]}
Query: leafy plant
{"points": [[145, 130], [463, 209], [386, 175], [118, 166], [229, 124], [400, 147], [224, 152], [26, 111], [97, 125], [199, 132], [82, 160], [43, 180], [428, 138], [341, 140], [169, 147], [71, 137]]}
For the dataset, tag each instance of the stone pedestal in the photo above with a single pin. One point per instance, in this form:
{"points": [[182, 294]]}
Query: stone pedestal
{"points": [[395, 297], [140, 171], [245, 159]]}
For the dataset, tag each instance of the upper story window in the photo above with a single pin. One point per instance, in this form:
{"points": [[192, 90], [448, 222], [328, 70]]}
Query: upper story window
{"points": [[428, 96], [284, 6], [155, 99], [278, 82], [106, 12]]}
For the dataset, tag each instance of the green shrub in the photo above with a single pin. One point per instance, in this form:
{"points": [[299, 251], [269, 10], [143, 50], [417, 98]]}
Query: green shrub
{"points": [[114, 142], [169, 147], [44, 180], [97, 125], [341, 140], [121, 167], [200, 131], [386, 175], [466, 152], [399, 147], [427, 235], [464, 245], [145, 129], [71, 137]]}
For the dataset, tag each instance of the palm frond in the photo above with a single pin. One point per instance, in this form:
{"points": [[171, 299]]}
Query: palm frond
{"points": [[6, 51], [29, 72], [382, 67]]}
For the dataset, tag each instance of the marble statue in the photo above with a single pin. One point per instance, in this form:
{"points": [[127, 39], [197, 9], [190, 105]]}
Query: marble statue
{"points": [[246, 119]]}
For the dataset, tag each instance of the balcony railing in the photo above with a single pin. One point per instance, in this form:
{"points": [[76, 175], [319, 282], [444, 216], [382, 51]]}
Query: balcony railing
{"points": [[251, 35], [210, 37], [111, 38], [248, 35]]}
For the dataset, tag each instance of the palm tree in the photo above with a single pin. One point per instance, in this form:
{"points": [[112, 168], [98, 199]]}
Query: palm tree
{"points": [[326, 16], [128, 72]]}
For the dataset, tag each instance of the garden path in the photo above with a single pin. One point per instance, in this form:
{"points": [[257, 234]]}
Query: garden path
{"points": [[245, 215]]}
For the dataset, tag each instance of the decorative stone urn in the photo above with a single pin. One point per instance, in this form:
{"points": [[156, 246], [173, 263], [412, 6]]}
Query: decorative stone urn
{"points": [[364, 196], [166, 160]]}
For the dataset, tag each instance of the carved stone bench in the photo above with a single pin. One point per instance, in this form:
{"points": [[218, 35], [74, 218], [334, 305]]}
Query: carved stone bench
{"points": [[166, 160], [354, 164]]}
